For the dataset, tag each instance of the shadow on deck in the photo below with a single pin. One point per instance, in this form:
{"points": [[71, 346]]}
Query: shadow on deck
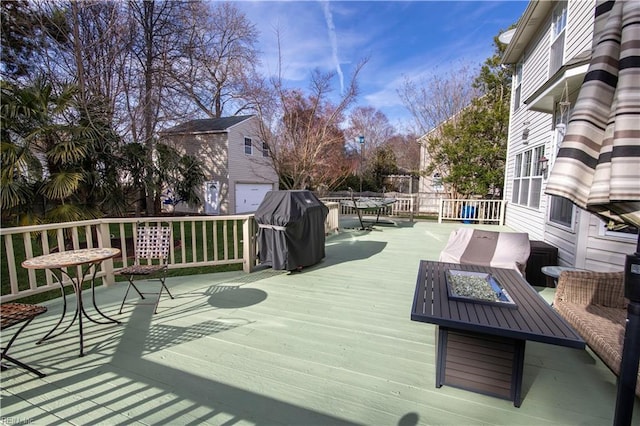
{"points": [[330, 345]]}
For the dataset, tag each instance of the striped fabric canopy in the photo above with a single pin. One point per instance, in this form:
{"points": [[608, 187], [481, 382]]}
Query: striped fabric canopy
{"points": [[598, 164]]}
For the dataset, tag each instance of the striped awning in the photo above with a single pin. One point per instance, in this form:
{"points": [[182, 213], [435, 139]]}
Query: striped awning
{"points": [[598, 164]]}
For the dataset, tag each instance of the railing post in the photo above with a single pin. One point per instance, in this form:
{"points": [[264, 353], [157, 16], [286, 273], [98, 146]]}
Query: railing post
{"points": [[503, 205], [104, 240], [440, 207], [248, 247], [411, 206]]}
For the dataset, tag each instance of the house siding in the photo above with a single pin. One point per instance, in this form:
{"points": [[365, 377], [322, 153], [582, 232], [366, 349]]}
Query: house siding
{"points": [[211, 150], [244, 168], [579, 27], [428, 195], [582, 244], [224, 161]]}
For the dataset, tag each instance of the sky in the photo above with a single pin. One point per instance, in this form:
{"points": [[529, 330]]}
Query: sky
{"points": [[401, 39]]}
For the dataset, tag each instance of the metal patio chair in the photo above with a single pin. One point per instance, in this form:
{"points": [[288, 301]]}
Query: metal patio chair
{"points": [[16, 313], [151, 259]]}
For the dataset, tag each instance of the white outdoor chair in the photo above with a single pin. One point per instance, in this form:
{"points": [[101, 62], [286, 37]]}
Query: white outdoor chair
{"points": [[151, 258]]}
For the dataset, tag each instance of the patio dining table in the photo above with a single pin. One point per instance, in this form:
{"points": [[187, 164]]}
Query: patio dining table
{"points": [[84, 260], [481, 345]]}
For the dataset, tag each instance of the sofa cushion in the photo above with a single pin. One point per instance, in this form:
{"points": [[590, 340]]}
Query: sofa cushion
{"points": [[602, 329], [469, 246]]}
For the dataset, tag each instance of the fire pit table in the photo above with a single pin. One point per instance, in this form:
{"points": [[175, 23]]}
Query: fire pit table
{"points": [[481, 340]]}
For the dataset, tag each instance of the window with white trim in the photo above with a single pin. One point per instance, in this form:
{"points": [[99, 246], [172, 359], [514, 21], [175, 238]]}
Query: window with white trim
{"points": [[265, 149], [248, 146], [561, 211], [527, 181], [558, 25], [517, 86]]}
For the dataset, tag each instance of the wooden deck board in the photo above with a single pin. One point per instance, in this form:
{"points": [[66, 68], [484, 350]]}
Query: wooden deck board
{"points": [[331, 345]]}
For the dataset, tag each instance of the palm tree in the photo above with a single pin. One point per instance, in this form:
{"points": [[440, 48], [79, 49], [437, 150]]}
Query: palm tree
{"points": [[48, 155], [62, 162]]}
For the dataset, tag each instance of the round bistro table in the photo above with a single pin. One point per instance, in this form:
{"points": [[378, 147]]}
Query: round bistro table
{"points": [[84, 260], [555, 271]]}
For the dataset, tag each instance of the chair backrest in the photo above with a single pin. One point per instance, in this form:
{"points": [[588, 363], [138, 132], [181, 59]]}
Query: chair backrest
{"points": [[153, 243]]}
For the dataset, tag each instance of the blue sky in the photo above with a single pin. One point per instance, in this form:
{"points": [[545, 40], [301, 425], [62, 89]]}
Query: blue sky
{"points": [[401, 39]]}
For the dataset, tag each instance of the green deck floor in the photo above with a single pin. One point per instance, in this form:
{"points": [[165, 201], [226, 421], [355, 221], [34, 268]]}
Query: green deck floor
{"points": [[330, 345]]}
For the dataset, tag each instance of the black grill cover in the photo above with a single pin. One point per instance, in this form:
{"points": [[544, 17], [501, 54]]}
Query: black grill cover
{"points": [[291, 229]]}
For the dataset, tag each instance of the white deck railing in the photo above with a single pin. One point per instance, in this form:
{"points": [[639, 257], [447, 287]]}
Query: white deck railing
{"points": [[472, 211], [198, 241]]}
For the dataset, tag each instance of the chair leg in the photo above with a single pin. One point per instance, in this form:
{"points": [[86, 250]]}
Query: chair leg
{"points": [[127, 293], [23, 365], [4, 355], [162, 286], [162, 280], [141, 294]]}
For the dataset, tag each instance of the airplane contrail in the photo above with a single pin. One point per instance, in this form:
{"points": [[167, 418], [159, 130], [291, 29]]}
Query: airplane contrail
{"points": [[331, 28]]}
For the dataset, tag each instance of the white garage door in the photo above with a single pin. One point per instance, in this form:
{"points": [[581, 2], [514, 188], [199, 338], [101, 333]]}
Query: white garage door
{"points": [[250, 195]]}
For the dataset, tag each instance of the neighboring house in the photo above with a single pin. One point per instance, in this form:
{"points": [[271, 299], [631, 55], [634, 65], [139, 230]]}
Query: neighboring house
{"points": [[430, 187], [237, 164], [550, 49]]}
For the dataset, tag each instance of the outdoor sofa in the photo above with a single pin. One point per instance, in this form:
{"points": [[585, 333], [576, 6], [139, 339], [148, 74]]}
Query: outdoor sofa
{"points": [[470, 246], [594, 304]]}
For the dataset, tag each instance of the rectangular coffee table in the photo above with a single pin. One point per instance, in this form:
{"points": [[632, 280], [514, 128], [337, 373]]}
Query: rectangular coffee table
{"points": [[481, 346]]}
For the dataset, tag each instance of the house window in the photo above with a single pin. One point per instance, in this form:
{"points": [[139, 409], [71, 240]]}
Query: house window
{"points": [[561, 211], [527, 181], [265, 149], [248, 146], [558, 24], [436, 182], [517, 86]]}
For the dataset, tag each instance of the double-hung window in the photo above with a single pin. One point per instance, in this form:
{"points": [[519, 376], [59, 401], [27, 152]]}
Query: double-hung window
{"points": [[558, 24], [517, 86], [265, 149], [527, 180], [248, 146]]}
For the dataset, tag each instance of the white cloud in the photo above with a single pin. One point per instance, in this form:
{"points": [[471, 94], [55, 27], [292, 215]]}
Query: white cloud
{"points": [[401, 39]]}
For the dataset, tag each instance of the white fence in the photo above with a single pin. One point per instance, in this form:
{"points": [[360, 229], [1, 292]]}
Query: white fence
{"points": [[472, 211], [198, 241]]}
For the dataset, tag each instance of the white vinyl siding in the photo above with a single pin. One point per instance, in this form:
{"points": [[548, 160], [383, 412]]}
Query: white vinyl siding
{"points": [[579, 238], [243, 168], [579, 30]]}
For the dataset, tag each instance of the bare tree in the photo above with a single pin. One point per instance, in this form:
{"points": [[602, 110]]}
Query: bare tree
{"points": [[158, 30], [440, 97], [303, 133], [217, 68], [370, 123], [407, 151]]}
